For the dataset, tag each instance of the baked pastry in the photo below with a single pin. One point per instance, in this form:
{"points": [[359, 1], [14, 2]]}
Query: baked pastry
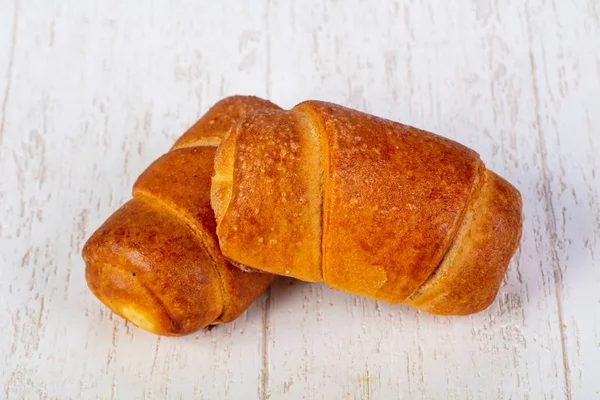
{"points": [[324, 193], [156, 260]]}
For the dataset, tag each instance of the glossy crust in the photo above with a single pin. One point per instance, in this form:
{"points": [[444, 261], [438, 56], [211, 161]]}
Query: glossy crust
{"points": [[386, 228], [217, 121], [468, 278], [156, 260], [393, 200], [274, 217]]}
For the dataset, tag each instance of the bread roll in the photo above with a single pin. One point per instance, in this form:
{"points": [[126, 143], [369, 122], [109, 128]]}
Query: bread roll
{"points": [[369, 206], [156, 260]]}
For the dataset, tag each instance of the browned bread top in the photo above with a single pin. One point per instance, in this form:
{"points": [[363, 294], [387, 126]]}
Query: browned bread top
{"points": [[156, 260], [273, 219], [218, 120], [470, 274], [393, 199], [370, 206]]}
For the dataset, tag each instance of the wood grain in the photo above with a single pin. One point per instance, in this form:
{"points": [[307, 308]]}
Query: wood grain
{"points": [[91, 93]]}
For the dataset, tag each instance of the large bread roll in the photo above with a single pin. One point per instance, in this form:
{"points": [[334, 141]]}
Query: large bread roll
{"points": [[368, 206]]}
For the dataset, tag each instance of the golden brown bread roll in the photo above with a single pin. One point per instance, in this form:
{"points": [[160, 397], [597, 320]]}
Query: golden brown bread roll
{"points": [[156, 260], [366, 205]]}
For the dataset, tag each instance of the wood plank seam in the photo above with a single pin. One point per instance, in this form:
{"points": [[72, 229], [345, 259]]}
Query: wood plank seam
{"points": [[9, 70], [549, 209]]}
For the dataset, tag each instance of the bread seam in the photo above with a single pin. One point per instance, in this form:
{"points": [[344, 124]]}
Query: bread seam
{"points": [[218, 177], [209, 141], [156, 202], [176, 324], [206, 141], [476, 190], [322, 148]]}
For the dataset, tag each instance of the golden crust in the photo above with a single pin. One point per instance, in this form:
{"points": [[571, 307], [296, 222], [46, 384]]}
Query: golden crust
{"points": [[468, 278], [222, 180], [133, 265], [387, 228], [156, 260], [214, 125], [272, 217], [179, 181], [393, 200]]}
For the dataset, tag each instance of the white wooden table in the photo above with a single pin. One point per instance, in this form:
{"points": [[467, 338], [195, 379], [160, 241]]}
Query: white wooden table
{"points": [[92, 92]]}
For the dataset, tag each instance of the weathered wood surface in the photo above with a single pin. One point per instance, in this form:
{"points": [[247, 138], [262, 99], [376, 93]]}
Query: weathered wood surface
{"points": [[92, 92]]}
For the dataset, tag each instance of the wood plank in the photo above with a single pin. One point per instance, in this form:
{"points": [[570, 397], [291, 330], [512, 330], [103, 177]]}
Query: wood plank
{"points": [[90, 94], [566, 84], [464, 72], [98, 91]]}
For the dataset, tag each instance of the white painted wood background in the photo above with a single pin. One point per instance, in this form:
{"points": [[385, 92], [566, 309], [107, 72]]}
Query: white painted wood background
{"points": [[92, 92]]}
